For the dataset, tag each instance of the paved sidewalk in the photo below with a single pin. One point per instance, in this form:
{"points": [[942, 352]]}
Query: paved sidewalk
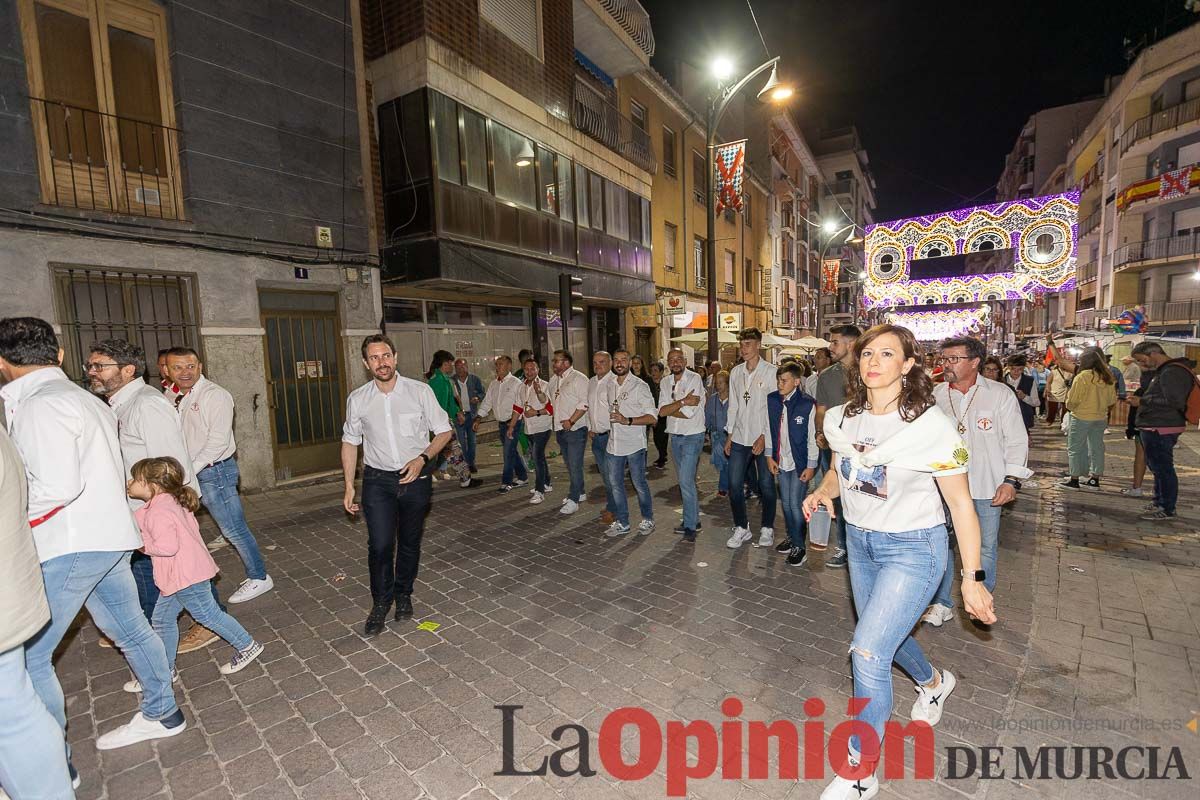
{"points": [[1099, 629]]}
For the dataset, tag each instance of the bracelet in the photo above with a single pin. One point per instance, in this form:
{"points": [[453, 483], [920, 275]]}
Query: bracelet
{"points": [[422, 455]]}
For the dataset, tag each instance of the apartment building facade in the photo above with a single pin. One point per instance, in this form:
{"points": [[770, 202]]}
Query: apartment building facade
{"points": [[190, 174], [679, 186], [506, 163], [1137, 164]]}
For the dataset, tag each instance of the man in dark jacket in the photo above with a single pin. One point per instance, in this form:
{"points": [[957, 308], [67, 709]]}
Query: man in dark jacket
{"points": [[1160, 420]]}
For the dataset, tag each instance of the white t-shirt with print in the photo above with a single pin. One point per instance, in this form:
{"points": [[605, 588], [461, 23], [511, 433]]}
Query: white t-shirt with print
{"points": [[886, 499]]}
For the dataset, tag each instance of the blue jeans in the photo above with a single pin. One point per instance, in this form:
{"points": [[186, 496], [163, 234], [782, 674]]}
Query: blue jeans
{"points": [[142, 568], [33, 755], [616, 479], [600, 453], [685, 450], [101, 581], [219, 494], [740, 456], [892, 576], [541, 468], [198, 601], [572, 444], [1160, 460], [792, 492], [989, 542], [466, 438], [719, 461], [514, 465]]}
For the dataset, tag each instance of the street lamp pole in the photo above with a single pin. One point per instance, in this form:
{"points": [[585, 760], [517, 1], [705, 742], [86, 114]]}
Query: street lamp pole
{"points": [[717, 106]]}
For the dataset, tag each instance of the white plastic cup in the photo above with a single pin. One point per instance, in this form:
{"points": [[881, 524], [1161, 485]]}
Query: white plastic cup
{"points": [[818, 529]]}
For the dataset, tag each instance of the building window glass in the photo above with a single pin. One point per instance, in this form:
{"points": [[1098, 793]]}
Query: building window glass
{"points": [[150, 309], [699, 184], [514, 182], [698, 265], [547, 181], [581, 198], [668, 151], [519, 20], [474, 141], [596, 200], [616, 210], [729, 287], [637, 115], [566, 190], [445, 137], [670, 234], [747, 213], [635, 218], [397, 311], [103, 150], [748, 277], [646, 232]]}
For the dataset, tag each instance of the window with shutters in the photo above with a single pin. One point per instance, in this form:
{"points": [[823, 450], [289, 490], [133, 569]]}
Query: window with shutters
{"points": [[670, 235], [729, 287], [519, 20]]}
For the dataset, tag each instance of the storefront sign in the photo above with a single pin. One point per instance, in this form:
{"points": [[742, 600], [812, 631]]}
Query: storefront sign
{"points": [[731, 321], [673, 303]]}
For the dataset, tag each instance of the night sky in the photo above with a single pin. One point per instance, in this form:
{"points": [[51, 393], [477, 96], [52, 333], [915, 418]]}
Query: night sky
{"points": [[939, 90]]}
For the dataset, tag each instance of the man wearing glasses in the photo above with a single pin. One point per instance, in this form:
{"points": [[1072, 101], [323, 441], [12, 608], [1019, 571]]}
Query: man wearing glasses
{"points": [[988, 418], [206, 414], [392, 418]]}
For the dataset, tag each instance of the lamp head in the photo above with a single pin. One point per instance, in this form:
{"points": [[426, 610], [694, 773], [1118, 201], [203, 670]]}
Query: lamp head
{"points": [[775, 91], [722, 68], [525, 157]]}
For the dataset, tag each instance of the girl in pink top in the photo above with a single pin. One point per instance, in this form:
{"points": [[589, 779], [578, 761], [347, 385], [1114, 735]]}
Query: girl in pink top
{"points": [[182, 564]]}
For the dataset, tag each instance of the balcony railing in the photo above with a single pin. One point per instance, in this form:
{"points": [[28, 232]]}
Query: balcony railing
{"points": [[1157, 249], [844, 186], [1091, 176], [103, 162], [630, 15], [1160, 121], [1157, 312], [1085, 273], [1090, 223], [601, 120]]}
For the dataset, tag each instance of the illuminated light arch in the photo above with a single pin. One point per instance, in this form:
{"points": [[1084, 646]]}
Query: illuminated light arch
{"points": [[931, 326], [1043, 232]]}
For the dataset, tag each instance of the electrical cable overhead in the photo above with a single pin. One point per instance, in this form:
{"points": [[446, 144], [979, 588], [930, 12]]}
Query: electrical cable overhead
{"points": [[760, 33]]}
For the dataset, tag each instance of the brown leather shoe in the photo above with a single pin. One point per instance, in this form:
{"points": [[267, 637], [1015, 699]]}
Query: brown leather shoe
{"points": [[197, 638], [607, 518]]}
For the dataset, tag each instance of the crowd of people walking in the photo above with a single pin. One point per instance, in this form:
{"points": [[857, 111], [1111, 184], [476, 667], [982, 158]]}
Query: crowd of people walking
{"points": [[900, 448]]}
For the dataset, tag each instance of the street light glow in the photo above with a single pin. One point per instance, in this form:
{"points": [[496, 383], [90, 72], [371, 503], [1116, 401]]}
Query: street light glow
{"points": [[722, 68], [525, 157], [830, 227]]}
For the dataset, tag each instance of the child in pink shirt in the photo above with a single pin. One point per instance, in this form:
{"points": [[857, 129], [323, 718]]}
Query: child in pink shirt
{"points": [[182, 564]]}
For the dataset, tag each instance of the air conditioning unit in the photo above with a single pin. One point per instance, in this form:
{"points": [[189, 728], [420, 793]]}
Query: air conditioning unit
{"points": [[148, 197]]}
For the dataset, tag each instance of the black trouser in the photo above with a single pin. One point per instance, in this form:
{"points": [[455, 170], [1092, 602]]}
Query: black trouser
{"points": [[661, 442], [395, 517]]}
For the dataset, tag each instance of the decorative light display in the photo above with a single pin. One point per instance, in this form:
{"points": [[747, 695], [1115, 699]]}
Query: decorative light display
{"points": [[932, 326], [1041, 231]]}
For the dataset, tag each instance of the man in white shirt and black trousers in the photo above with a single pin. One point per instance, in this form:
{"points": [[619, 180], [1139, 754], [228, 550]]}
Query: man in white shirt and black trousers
{"points": [[681, 401], [749, 384], [569, 398], [82, 526], [392, 418], [987, 415], [147, 427], [206, 415]]}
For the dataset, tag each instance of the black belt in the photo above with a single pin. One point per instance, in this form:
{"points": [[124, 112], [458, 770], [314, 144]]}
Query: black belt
{"points": [[215, 463]]}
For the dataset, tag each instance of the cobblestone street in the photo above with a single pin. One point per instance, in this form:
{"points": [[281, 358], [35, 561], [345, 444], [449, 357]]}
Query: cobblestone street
{"points": [[1098, 631]]}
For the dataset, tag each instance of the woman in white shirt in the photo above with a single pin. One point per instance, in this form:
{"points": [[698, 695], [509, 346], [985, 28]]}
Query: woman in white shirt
{"points": [[896, 456]]}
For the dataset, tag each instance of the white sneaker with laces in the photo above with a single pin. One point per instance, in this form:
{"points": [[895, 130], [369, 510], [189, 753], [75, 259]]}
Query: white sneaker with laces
{"points": [[536, 497], [569, 506], [138, 729], [581, 499], [845, 789], [242, 659], [740, 536], [252, 588], [766, 537], [645, 526], [937, 614], [1133, 492], [135, 686], [930, 703], [615, 530]]}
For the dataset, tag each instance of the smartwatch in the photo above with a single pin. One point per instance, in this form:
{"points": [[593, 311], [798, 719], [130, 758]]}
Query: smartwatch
{"points": [[978, 575]]}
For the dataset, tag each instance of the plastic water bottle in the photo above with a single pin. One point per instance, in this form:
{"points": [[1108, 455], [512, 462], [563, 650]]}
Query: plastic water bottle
{"points": [[818, 529]]}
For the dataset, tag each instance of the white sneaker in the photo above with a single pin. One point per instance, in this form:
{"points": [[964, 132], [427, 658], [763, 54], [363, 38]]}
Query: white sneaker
{"points": [[615, 530], [548, 489], [740, 536], [251, 589], [536, 497], [569, 506], [138, 729], [845, 789], [1132, 492], [242, 659], [766, 537], [645, 526], [936, 614], [135, 686], [581, 499], [930, 703], [520, 483]]}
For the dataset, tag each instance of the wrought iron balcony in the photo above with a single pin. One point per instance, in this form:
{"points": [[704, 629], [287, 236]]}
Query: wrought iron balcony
{"points": [[1160, 121], [1156, 250], [601, 120]]}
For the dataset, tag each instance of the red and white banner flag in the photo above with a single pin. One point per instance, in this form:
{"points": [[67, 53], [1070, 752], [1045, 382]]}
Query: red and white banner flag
{"points": [[729, 160], [830, 268]]}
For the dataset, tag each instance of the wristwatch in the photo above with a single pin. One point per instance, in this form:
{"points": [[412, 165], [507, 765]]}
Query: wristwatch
{"points": [[978, 575], [422, 455]]}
